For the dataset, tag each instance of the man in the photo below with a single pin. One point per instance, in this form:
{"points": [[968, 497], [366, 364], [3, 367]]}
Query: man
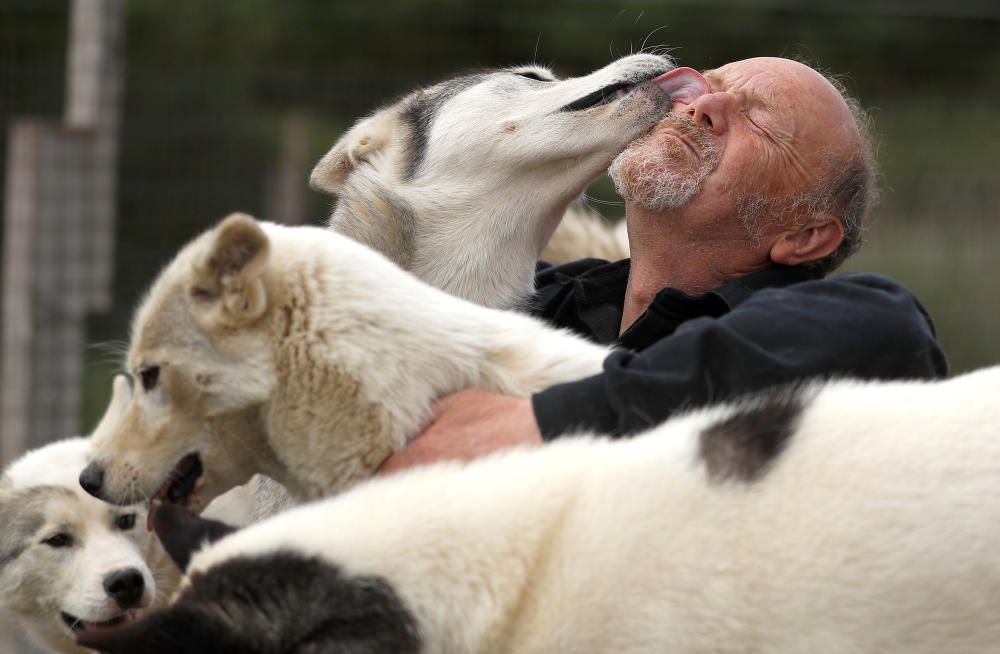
{"points": [[738, 203]]}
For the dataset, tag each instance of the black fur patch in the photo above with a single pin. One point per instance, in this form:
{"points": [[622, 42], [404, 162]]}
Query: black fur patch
{"points": [[183, 533], [283, 603], [419, 115], [743, 446]]}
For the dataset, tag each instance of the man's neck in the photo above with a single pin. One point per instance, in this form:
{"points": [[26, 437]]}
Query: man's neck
{"points": [[666, 251]]}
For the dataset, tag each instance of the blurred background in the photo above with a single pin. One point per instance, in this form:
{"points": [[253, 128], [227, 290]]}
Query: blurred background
{"points": [[128, 127]]}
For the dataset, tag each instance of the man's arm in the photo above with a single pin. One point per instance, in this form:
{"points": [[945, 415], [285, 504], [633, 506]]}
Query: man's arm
{"points": [[467, 425], [861, 326]]}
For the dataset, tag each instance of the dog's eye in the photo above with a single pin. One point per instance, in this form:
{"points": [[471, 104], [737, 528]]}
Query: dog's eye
{"points": [[126, 521], [149, 375], [59, 540]]}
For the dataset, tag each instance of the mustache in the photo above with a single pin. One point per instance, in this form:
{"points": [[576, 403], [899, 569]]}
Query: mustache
{"points": [[699, 137]]}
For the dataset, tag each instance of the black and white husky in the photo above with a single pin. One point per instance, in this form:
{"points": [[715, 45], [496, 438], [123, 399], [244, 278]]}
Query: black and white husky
{"points": [[464, 182], [842, 518]]}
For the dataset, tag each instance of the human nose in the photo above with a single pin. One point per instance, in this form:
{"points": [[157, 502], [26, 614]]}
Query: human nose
{"points": [[710, 111]]}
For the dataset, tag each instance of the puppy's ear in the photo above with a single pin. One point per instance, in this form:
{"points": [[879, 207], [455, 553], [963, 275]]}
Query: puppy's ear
{"points": [[228, 280], [366, 138], [183, 533]]}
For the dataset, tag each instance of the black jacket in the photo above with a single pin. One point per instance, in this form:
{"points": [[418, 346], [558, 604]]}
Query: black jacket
{"points": [[775, 326]]}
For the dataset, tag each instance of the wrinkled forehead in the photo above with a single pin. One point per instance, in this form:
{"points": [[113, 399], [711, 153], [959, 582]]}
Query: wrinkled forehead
{"points": [[797, 97], [758, 87]]}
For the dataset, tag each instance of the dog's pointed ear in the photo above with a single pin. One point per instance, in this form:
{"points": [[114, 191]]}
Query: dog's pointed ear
{"points": [[121, 395], [183, 533], [367, 137], [228, 278]]}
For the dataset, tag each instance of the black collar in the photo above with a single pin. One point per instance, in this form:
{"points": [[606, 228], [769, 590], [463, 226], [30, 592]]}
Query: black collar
{"points": [[672, 307]]}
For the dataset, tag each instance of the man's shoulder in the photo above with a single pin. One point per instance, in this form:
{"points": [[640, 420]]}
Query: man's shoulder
{"points": [[880, 303], [857, 285]]}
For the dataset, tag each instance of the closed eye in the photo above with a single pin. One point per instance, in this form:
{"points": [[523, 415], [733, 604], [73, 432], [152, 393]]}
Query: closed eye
{"points": [[530, 74]]}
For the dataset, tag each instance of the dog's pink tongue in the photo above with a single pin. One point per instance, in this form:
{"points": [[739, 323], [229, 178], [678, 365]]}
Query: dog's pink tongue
{"points": [[683, 84]]}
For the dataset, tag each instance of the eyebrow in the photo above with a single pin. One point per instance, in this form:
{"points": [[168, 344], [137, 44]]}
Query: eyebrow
{"points": [[712, 76]]}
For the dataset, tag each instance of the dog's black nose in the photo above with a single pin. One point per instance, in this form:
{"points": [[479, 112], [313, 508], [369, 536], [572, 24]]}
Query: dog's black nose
{"points": [[125, 587], [91, 479]]}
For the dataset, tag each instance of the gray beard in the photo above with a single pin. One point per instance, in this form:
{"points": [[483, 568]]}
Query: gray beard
{"points": [[645, 175]]}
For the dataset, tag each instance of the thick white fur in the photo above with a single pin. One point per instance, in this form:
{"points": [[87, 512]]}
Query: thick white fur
{"points": [[310, 365], [876, 531], [501, 164]]}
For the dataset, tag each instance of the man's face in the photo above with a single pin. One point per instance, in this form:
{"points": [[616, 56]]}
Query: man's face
{"points": [[664, 169], [763, 129]]}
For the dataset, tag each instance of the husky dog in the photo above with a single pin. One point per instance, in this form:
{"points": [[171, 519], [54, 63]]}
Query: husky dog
{"points": [[463, 183], [301, 354], [843, 518], [69, 562]]}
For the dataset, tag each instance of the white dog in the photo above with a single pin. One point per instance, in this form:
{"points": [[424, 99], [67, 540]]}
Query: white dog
{"points": [[463, 183], [845, 518], [69, 562], [301, 354]]}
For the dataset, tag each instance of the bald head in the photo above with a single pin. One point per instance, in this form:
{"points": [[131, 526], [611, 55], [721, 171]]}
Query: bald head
{"points": [[832, 170]]}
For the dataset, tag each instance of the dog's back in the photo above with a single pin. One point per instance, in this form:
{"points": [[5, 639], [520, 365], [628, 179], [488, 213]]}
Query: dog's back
{"points": [[841, 518]]}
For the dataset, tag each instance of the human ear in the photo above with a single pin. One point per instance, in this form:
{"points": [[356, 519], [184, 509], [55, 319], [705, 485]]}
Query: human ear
{"points": [[809, 242]]}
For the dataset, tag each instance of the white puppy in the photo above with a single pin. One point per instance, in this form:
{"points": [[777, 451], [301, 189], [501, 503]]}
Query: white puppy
{"points": [[301, 354], [69, 562]]}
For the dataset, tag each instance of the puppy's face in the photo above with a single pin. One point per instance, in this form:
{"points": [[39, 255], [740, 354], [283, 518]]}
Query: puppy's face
{"points": [[200, 360], [69, 562]]}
